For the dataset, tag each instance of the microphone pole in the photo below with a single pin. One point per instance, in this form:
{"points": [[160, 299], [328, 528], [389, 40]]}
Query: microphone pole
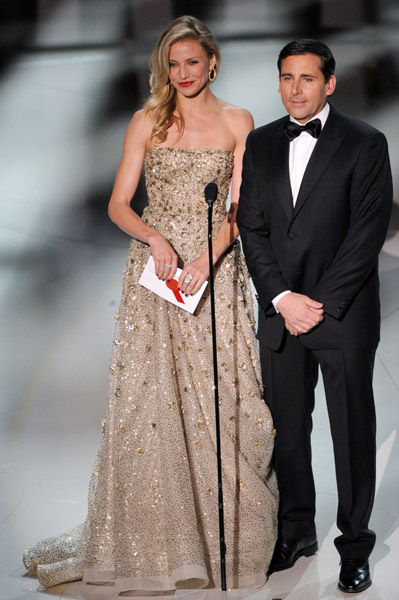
{"points": [[211, 191]]}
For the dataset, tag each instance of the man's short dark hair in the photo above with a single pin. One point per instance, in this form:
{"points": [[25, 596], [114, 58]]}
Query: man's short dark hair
{"points": [[308, 46]]}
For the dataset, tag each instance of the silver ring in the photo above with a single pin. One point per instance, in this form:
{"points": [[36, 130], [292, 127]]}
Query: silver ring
{"points": [[188, 278], [168, 266]]}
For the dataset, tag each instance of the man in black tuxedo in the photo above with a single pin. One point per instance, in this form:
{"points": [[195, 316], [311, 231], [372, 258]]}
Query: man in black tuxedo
{"points": [[314, 209]]}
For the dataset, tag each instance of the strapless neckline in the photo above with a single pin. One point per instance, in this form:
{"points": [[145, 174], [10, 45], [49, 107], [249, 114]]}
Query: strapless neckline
{"points": [[171, 148]]}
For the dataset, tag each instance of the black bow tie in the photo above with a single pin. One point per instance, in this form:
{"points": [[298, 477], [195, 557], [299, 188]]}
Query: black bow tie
{"points": [[292, 130]]}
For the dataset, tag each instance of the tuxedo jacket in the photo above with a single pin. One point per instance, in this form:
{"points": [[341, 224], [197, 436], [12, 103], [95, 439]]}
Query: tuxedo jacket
{"points": [[326, 246]]}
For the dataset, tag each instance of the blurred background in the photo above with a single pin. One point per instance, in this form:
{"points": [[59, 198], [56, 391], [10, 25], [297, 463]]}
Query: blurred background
{"points": [[72, 72]]}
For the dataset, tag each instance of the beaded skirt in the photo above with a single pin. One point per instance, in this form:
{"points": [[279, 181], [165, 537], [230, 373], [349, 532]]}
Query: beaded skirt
{"points": [[152, 519]]}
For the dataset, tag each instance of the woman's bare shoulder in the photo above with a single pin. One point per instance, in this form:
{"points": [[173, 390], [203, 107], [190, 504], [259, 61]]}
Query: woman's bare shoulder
{"points": [[230, 111], [140, 128], [238, 121], [236, 118], [140, 121]]}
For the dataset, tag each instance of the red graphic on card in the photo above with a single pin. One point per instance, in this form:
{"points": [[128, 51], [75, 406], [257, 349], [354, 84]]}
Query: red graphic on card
{"points": [[172, 285]]}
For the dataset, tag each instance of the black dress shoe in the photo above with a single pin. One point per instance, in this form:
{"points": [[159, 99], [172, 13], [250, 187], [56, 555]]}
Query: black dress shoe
{"points": [[354, 576], [288, 550]]}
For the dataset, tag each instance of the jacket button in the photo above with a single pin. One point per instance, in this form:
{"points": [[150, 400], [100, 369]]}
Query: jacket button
{"points": [[291, 236]]}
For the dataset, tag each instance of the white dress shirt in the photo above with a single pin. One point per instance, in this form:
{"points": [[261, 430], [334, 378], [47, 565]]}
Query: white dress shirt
{"points": [[301, 149]]}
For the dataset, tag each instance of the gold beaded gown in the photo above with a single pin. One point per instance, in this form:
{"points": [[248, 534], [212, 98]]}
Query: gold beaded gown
{"points": [[152, 519]]}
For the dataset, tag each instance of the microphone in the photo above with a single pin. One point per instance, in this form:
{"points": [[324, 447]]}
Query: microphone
{"points": [[211, 192]]}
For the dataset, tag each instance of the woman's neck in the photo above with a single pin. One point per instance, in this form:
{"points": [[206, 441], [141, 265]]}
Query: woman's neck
{"points": [[190, 106]]}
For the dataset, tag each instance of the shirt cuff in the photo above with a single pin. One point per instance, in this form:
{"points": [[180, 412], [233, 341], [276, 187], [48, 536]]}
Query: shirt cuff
{"points": [[277, 298]]}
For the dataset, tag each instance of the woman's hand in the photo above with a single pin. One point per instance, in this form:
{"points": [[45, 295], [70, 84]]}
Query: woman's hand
{"points": [[165, 258], [199, 271]]}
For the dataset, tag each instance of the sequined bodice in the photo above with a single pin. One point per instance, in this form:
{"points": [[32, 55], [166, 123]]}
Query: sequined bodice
{"points": [[175, 180]]}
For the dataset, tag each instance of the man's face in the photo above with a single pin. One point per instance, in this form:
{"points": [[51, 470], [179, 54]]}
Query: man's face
{"points": [[302, 87]]}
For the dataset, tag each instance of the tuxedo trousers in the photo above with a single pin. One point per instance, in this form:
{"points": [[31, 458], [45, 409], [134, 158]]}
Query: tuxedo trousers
{"points": [[290, 376]]}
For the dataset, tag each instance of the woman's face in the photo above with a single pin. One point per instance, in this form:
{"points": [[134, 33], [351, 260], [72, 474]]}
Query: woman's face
{"points": [[189, 66]]}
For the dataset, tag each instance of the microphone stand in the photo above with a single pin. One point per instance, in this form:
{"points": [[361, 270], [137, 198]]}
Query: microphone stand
{"points": [[211, 191]]}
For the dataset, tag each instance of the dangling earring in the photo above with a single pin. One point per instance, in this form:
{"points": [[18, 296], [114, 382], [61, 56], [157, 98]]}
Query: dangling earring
{"points": [[212, 74]]}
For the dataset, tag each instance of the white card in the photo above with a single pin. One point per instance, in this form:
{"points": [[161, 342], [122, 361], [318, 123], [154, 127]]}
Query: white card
{"points": [[168, 289]]}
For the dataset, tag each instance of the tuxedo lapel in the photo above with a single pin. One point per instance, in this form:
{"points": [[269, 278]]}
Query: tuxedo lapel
{"points": [[327, 145], [279, 152]]}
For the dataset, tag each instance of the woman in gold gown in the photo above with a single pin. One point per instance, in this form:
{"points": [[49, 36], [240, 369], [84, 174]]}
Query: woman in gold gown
{"points": [[152, 519]]}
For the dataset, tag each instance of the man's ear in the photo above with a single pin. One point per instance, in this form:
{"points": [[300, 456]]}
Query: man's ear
{"points": [[331, 83]]}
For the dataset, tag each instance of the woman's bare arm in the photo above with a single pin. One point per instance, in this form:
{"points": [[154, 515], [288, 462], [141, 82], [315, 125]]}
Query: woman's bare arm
{"points": [[127, 178]]}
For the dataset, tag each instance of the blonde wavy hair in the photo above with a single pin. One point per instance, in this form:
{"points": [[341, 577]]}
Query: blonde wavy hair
{"points": [[161, 105]]}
